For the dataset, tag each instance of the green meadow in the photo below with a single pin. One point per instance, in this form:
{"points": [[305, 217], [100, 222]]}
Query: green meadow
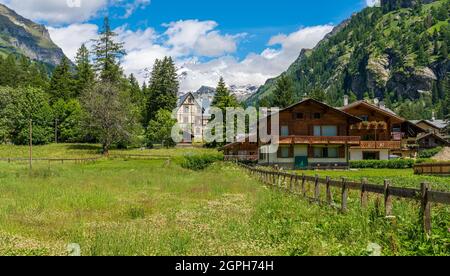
{"points": [[157, 207]]}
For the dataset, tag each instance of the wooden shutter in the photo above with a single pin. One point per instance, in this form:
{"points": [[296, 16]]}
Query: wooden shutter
{"points": [[279, 153], [291, 152], [310, 152]]}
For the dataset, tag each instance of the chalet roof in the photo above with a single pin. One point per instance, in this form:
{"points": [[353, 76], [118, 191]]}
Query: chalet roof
{"points": [[322, 104], [381, 109], [434, 135], [439, 124]]}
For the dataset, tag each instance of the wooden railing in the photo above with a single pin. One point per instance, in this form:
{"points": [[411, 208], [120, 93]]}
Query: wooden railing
{"points": [[433, 168], [352, 140], [380, 144], [369, 126], [297, 184]]}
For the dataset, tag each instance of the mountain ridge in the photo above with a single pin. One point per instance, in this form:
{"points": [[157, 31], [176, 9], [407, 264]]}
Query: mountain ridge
{"points": [[399, 55], [19, 35]]}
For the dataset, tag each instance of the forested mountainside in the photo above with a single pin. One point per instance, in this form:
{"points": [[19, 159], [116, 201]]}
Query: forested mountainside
{"points": [[397, 52], [21, 36]]}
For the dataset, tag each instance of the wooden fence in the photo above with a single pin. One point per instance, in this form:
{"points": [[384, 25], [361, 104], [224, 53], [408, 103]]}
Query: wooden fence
{"points": [[87, 160], [52, 160], [298, 184], [433, 169]]}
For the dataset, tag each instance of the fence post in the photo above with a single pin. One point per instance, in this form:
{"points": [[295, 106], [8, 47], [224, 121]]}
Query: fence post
{"points": [[387, 198], [329, 193], [304, 185], [291, 183], [426, 208], [364, 193], [344, 195], [316, 188]]}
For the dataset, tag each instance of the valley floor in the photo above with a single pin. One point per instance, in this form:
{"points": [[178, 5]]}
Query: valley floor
{"points": [[155, 207]]}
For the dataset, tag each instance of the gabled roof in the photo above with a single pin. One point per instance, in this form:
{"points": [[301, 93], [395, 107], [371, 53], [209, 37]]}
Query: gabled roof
{"points": [[183, 99], [321, 104], [386, 111], [442, 139], [439, 124]]}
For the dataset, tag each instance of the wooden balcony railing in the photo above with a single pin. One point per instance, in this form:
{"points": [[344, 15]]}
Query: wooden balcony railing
{"points": [[369, 125], [241, 158], [310, 140], [393, 145]]}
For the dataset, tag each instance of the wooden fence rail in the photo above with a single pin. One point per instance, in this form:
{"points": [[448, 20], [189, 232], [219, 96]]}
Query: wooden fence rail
{"points": [[86, 160], [299, 184], [51, 160], [442, 168]]}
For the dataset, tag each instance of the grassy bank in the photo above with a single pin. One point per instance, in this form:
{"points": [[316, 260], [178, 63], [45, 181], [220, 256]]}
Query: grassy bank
{"points": [[136, 207]]}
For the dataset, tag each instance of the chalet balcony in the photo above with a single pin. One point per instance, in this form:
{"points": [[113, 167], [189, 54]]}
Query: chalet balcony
{"points": [[241, 158], [370, 126], [392, 145], [320, 140]]}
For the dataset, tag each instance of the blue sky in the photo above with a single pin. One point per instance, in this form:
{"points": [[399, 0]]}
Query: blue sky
{"points": [[245, 41], [260, 19]]}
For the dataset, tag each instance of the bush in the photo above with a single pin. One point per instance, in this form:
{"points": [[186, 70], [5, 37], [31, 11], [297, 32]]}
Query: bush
{"points": [[200, 162], [383, 164], [430, 153]]}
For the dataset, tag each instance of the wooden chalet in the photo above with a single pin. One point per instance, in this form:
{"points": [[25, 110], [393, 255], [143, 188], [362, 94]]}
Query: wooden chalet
{"points": [[241, 151], [383, 133], [431, 140], [312, 135]]}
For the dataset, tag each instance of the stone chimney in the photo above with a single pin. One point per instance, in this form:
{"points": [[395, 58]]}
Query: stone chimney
{"points": [[433, 118], [346, 100]]}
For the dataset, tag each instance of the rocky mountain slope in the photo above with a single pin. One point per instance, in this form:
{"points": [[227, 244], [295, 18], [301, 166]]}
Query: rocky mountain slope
{"points": [[22, 36], [397, 52]]}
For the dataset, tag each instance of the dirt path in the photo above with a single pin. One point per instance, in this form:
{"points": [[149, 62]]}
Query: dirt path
{"points": [[444, 155]]}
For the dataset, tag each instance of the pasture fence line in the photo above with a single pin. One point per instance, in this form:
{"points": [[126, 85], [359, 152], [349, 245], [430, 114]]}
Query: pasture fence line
{"points": [[300, 185], [87, 160], [53, 160]]}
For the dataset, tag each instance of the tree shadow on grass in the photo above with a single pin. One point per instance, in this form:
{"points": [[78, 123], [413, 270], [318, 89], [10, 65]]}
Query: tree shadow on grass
{"points": [[86, 147]]}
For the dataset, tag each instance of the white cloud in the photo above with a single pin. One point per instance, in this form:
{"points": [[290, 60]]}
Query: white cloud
{"points": [[255, 69], [70, 38], [372, 3], [130, 8], [57, 11], [188, 37], [190, 42], [60, 12]]}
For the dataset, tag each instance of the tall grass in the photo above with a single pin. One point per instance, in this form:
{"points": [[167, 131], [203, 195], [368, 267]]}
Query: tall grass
{"points": [[159, 208]]}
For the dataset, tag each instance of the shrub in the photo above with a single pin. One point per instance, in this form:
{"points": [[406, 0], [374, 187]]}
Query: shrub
{"points": [[430, 153], [200, 162], [383, 164]]}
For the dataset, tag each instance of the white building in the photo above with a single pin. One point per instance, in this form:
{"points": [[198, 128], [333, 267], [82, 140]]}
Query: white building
{"points": [[193, 117]]}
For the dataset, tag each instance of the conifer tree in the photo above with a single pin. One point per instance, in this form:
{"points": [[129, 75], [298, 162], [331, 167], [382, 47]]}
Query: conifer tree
{"points": [[136, 93], [163, 88], [107, 54], [85, 75], [284, 92], [223, 98], [62, 82]]}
